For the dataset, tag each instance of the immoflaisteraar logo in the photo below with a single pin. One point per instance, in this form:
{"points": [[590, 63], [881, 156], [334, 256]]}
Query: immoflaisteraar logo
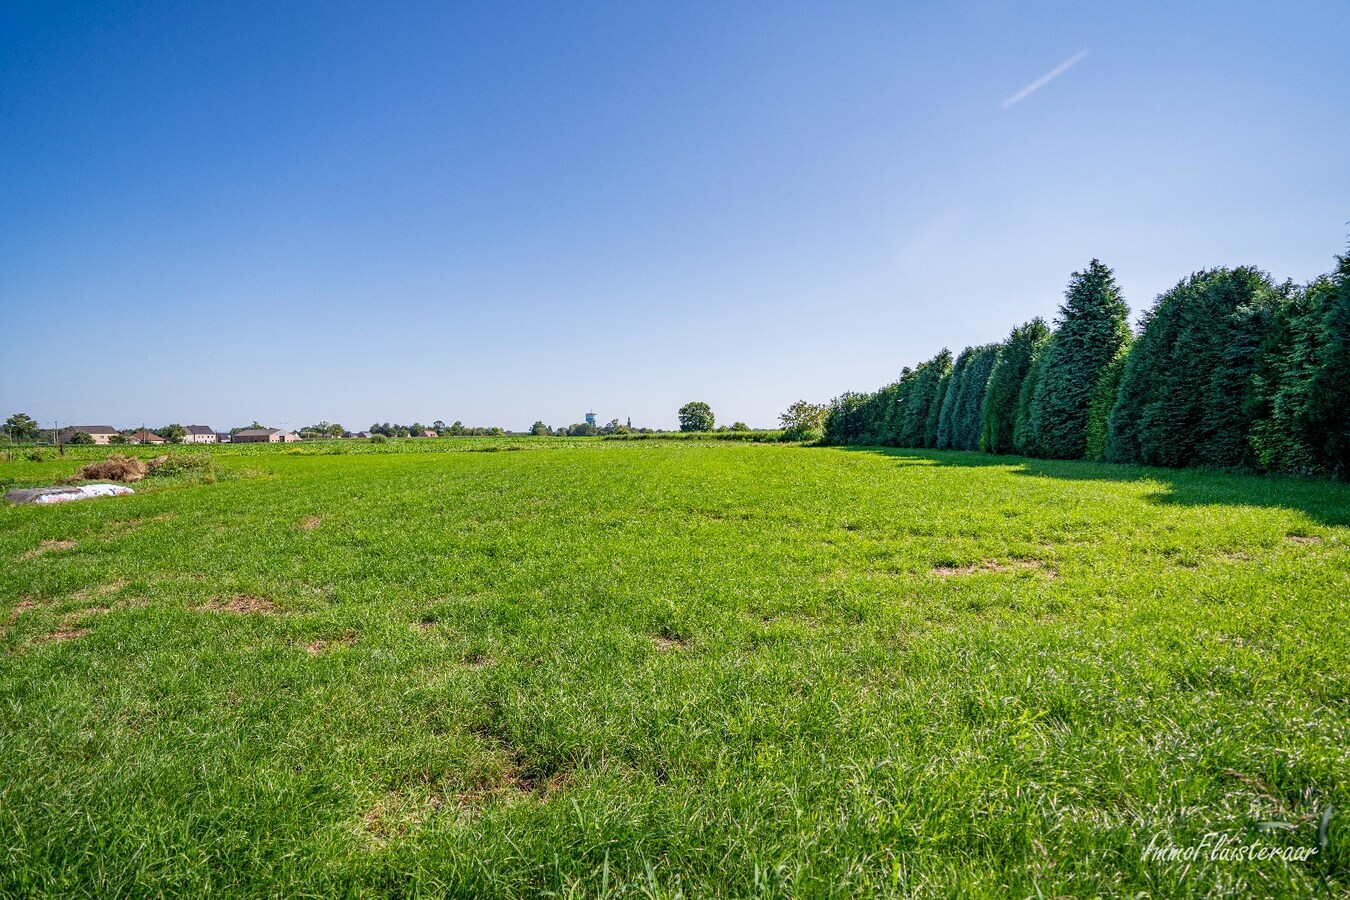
{"points": [[1219, 847]]}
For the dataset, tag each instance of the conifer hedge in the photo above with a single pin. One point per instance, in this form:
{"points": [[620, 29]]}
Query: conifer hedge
{"points": [[1228, 370]]}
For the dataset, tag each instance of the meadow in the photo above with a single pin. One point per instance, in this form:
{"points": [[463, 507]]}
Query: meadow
{"points": [[658, 668]]}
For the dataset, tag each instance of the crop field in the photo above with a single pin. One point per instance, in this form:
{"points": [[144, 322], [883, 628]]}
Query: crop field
{"points": [[651, 668]]}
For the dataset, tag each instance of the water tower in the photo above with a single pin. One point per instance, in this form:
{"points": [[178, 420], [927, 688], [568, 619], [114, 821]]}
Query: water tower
{"points": [[590, 418]]}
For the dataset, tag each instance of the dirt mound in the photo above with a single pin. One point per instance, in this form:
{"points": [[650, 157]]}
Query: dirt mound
{"points": [[115, 468]]}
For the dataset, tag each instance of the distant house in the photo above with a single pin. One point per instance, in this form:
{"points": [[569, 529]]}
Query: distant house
{"points": [[102, 434], [199, 434], [362, 434], [429, 433], [222, 437], [146, 437], [265, 436]]}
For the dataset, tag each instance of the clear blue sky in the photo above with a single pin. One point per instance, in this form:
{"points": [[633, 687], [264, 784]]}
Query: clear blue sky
{"points": [[500, 213]]}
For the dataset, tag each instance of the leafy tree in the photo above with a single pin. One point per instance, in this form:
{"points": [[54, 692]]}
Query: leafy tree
{"points": [[119, 438], [803, 421], [173, 433], [540, 429], [845, 419], [81, 437], [696, 416], [1091, 330], [739, 426], [1005, 383], [22, 426]]}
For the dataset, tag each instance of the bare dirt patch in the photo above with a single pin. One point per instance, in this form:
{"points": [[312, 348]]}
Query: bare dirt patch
{"points": [[397, 813], [1303, 539], [478, 661], [19, 608], [242, 604], [61, 634], [125, 526], [1021, 565], [48, 547], [99, 590], [309, 523], [315, 648], [667, 644]]}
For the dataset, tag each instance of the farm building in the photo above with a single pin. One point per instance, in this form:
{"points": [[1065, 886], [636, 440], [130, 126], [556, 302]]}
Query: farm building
{"points": [[199, 434], [265, 436], [101, 434], [146, 437]]}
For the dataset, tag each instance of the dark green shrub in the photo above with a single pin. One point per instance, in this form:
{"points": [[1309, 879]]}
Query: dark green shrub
{"points": [[172, 464]]}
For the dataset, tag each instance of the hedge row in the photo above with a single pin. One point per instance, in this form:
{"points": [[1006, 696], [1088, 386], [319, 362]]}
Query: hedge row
{"points": [[1228, 370]]}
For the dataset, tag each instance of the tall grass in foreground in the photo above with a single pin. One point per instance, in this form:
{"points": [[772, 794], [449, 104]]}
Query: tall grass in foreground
{"points": [[657, 668]]}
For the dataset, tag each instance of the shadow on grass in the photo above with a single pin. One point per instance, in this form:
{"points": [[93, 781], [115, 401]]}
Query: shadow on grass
{"points": [[1326, 502]]}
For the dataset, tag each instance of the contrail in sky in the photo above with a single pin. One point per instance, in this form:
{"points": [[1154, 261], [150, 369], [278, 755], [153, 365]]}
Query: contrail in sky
{"points": [[1045, 79]]}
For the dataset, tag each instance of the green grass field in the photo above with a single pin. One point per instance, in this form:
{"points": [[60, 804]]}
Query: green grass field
{"points": [[603, 668]]}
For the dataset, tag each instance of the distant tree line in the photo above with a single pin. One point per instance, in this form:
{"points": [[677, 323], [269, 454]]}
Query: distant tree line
{"points": [[1228, 370], [417, 429]]}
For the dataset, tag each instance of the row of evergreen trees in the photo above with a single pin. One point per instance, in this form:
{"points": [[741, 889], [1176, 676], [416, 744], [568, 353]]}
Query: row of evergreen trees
{"points": [[1228, 370]]}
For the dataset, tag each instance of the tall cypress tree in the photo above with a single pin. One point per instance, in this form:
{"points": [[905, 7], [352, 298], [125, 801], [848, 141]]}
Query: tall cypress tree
{"points": [[955, 386], [1005, 383], [1091, 330], [1328, 412], [1025, 438], [930, 429], [970, 402], [1103, 400], [1282, 382], [895, 409], [1137, 387], [1185, 393], [1230, 401], [922, 397]]}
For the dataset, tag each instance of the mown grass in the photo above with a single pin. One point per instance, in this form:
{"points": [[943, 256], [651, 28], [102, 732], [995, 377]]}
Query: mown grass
{"points": [[647, 668]]}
